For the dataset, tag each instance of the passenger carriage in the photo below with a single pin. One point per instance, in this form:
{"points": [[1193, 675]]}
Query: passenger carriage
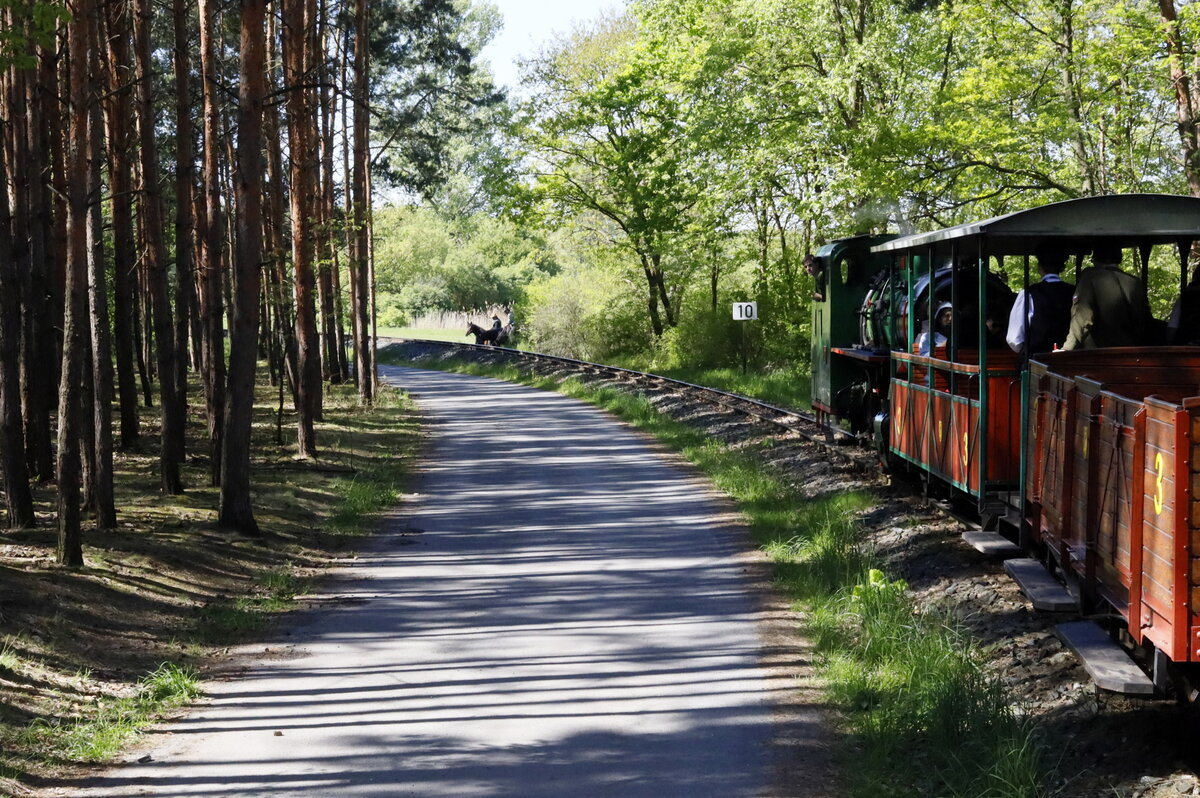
{"points": [[1094, 454]]}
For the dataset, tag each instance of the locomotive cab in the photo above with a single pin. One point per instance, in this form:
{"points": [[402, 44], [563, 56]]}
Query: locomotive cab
{"points": [[849, 346]]}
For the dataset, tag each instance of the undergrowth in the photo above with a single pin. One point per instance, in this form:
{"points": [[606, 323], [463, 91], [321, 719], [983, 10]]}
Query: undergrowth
{"points": [[229, 619], [923, 716], [781, 387], [103, 733]]}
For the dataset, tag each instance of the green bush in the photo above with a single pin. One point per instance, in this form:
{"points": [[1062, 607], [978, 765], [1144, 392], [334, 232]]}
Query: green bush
{"points": [[587, 313], [390, 313], [706, 339]]}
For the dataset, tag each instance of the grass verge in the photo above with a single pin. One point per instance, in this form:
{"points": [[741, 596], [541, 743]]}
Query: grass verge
{"points": [[89, 657], [97, 736], [923, 716]]}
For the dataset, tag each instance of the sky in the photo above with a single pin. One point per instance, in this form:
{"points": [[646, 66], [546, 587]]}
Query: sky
{"points": [[528, 24]]}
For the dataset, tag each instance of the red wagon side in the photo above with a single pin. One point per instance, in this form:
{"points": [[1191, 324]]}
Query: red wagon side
{"points": [[1113, 488]]}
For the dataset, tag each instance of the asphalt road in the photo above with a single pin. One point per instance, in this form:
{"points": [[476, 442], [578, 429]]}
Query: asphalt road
{"points": [[558, 611]]}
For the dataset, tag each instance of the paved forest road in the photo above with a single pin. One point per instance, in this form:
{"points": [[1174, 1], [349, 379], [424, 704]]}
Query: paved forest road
{"points": [[572, 620]]}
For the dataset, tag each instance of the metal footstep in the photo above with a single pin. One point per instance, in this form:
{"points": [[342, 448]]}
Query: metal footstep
{"points": [[1039, 586], [1105, 661], [990, 543]]}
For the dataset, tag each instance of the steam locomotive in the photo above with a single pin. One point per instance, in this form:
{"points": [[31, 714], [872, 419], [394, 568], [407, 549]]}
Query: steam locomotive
{"points": [[1088, 459]]}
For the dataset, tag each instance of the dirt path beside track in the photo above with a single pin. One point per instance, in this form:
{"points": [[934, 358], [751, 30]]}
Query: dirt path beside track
{"points": [[561, 610]]}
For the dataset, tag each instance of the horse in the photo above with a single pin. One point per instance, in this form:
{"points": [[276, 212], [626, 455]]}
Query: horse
{"points": [[484, 336]]}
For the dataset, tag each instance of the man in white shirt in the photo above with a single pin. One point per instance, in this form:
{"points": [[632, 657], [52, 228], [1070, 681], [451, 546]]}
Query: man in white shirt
{"points": [[1041, 315]]}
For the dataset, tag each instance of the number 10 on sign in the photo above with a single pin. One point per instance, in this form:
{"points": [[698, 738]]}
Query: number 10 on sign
{"points": [[745, 311]]}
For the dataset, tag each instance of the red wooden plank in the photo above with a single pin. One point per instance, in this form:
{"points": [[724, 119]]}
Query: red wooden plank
{"points": [[1181, 651]]}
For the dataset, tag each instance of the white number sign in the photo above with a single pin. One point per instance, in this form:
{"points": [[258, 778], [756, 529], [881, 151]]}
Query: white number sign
{"points": [[745, 311]]}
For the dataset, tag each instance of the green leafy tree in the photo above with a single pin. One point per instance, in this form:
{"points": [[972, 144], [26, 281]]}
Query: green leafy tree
{"points": [[426, 88], [426, 262], [1045, 100], [608, 132]]}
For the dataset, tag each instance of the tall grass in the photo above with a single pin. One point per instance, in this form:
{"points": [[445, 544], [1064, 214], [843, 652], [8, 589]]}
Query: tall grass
{"points": [[926, 719], [10, 661], [361, 497], [913, 691]]}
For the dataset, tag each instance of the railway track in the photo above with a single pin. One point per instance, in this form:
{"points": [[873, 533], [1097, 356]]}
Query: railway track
{"points": [[803, 424]]}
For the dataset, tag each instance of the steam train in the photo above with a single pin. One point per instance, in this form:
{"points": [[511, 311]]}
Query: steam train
{"points": [[1088, 459]]}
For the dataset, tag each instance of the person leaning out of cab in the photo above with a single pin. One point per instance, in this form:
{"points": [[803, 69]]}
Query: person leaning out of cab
{"points": [[1109, 307]]}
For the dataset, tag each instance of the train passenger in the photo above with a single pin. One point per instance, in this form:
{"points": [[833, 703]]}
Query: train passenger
{"points": [[1045, 307], [943, 319], [1110, 306]]}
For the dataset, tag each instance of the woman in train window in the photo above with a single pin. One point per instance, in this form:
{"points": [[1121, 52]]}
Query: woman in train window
{"points": [[942, 320]]}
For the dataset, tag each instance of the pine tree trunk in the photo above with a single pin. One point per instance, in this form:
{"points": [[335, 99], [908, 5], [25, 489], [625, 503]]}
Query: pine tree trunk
{"points": [[120, 145], [213, 229], [328, 243], [298, 17], [352, 258], [198, 259], [39, 350], [361, 193], [372, 346], [339, 320], [100, 360], [236, 511], [17, 495], [70, 539], [185, 300], [172, 410], [141, 337], [284, 324]]}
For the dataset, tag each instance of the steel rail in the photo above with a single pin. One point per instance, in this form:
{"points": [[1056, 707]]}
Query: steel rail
{"points": [[790, 420]]}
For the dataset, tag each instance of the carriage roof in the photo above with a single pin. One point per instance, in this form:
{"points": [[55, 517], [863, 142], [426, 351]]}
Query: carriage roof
{"points": [[1123, 219]]}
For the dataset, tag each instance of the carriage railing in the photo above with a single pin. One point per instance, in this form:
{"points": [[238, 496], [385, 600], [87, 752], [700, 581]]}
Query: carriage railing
{"points": [[944, 423]]}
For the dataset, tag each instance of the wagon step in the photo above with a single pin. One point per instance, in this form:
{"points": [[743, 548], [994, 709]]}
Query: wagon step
{"points": [[990, 543], [1105, 661], [1039, 586]]}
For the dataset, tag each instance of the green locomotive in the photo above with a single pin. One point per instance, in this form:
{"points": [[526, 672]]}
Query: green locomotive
{"points": [[851, 329]]}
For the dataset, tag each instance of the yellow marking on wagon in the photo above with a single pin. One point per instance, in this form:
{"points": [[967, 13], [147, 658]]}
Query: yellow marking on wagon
{"points": [[1158, 486]]}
